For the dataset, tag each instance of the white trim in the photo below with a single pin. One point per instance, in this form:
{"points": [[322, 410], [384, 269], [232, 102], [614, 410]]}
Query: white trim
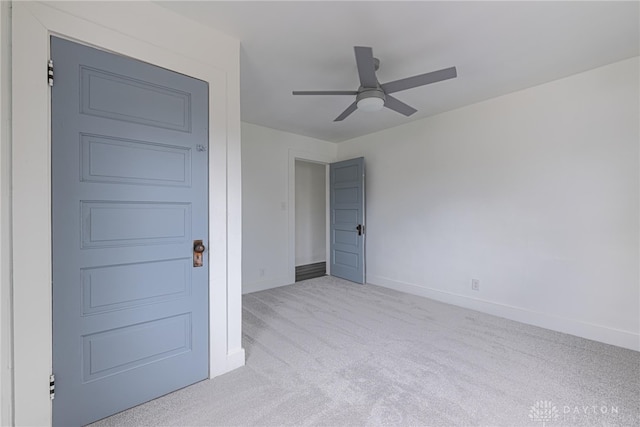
{"points": [[235, 360], [170, 42], [327, 203], [590, 331], [307, 157], [6, 316], [31, 266]]}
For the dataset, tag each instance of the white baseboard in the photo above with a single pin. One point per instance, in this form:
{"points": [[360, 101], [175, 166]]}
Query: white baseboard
{"points": [[235, 359], [578, 328], [263, 285]]}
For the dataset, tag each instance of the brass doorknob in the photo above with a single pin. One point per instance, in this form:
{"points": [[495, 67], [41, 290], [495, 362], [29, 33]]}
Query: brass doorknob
{"points": [[199, 248]]}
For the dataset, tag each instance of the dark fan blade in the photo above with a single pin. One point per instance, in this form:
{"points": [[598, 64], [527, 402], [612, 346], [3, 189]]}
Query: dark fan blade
{"points": [[325, 92], [419, 80], [366, 66], [399, 106], [350, 109]]}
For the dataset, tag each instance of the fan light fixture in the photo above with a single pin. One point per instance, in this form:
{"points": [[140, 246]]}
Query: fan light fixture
{"points": [[369, 100], [371, 104]]}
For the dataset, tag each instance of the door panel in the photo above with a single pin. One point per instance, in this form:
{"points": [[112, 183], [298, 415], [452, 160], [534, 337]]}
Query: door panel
{"points": [[107, 159], [347, 213], [129, 197]]}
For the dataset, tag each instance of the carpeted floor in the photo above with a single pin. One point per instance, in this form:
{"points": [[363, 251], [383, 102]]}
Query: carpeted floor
{"points": [[332, 353]]}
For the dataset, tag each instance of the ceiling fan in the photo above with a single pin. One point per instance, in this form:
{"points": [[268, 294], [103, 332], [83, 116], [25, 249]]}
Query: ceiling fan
{"points": [[371, 95]]}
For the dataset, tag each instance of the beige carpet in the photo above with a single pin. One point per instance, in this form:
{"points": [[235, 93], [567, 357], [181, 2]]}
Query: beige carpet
{"points": [[332, 353]]}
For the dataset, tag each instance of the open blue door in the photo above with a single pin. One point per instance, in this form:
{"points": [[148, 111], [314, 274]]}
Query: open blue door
{"points": [[347, 225]]}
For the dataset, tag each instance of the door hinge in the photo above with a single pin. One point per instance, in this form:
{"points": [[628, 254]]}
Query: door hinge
{"points": [[50, 72], [52, 386]]}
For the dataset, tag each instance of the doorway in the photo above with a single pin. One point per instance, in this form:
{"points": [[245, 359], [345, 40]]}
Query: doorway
{"points": [[344, 231], [310, 220]]}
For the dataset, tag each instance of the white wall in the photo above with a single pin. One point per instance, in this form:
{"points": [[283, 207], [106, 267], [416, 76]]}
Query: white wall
{"points": [[535, 193], [152, 34], [6, 406], [268, 221], [310, 208]]}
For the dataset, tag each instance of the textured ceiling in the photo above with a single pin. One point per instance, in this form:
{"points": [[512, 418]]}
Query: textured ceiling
{"points": [[497, 47]]}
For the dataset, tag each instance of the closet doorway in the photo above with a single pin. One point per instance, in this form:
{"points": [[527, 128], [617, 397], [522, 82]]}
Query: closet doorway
{"points": [[310, 220]]}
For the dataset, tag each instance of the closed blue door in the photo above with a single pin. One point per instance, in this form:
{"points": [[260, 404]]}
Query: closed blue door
{"points": [[347, 220], [129, 184]]}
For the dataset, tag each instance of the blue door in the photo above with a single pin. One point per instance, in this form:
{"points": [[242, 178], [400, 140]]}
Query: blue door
{"points": [[129, 184], [347, 220]]}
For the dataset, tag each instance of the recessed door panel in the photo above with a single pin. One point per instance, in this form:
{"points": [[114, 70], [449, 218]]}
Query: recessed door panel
{"points": [[136, 100], [346, 195], [115, 351], [347, 173], [118, 287], [346, 259], [345, 237], [345, 216], [129, 223], [127, 161]]}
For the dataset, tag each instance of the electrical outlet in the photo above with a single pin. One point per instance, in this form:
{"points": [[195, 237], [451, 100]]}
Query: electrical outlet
{"points": [[475, 284]]}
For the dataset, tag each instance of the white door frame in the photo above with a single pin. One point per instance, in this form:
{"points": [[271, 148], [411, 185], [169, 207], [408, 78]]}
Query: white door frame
{"points": [[166, 40], [312, 158]]}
